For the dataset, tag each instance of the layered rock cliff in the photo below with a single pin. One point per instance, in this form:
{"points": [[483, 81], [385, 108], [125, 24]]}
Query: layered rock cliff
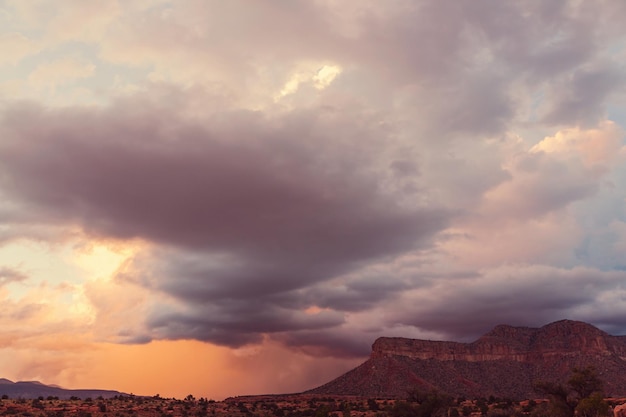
{"points": [[504, 362], [520, 344]]}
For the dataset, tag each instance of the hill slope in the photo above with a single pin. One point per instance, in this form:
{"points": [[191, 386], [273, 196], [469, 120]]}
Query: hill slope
{"points": [[34, 389], [504, 363]]}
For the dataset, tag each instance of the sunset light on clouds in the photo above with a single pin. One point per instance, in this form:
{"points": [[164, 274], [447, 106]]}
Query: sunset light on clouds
{"points": [[235, 197]]}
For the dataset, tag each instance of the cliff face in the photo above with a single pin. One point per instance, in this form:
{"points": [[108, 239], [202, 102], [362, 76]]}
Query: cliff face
{"points": [[519, 344], [504, 362]]}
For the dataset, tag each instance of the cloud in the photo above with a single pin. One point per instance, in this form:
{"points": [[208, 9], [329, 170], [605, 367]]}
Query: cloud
{"points": [[16, 47], [598, 148], [317, 174], [238, 209], [60, 71], [580, 98], [8, 275], [523, 295], [65, 22]]}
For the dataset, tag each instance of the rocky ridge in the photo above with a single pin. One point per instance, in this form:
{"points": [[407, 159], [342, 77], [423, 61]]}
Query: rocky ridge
{"points": [[35, 389], [504, 362]]}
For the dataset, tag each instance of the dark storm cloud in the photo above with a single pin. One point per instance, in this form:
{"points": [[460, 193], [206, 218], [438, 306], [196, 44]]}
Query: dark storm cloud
{"points": [[518, 295], [611, 323], [235, 322], [240, 208], [353, 295], [253, 190], [338, 342]]}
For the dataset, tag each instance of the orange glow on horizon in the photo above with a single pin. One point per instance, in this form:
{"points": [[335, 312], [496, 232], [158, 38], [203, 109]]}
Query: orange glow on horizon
{"points": [[178, 368]]}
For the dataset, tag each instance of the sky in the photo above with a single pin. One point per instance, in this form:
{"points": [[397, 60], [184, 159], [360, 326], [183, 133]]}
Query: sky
{"points": [[223, 198]]}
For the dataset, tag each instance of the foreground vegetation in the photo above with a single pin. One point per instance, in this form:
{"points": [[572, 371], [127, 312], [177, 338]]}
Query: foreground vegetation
{"points": [[279, 406], [580, 396]]}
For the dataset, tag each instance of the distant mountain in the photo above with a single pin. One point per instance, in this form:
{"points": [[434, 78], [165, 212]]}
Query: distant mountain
{"points": [[504, 363], [35, 389]]}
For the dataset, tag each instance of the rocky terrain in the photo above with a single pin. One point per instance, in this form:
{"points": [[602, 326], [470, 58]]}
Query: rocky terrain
{"points": [[503, 363]]}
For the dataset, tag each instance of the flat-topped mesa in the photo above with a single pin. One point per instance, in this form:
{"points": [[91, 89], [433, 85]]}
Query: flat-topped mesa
{"points": [[503, 363], [519, 344]]}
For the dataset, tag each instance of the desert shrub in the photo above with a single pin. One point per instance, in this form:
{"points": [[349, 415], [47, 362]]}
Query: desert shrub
{"points": [[583, 389], [482, 406], [432, 403], [37, 404], [372, 404], [403, 409], [593, 406], [585, 382], [322, 411]]}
